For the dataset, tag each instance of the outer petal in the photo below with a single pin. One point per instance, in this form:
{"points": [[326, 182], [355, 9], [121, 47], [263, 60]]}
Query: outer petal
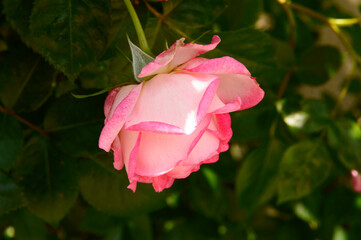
{"points": [[109, 101], [194, 62], [177, 54], [173, 103], [160, 158], [121, 108], [206, 150], [153, 154], [221, 128], [118, 157], [237, 92], [216, 65]]}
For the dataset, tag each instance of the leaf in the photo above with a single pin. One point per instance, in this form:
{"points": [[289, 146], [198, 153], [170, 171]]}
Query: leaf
{"points": [[75, 124], [49, 180], [121, 26], [11, 197], [106, 189], [354, 34], [255, 49], [26, 81], [207, 195], [18, 14], [249, 44], [107, 74], [140, 59], [318, 65], [345, 136], [141, 228], [240, 14], [256, 182], [304, 167], [308, 115], [11, 141], [99, 223], [70, 34], [252, 124], [27, 226], [194, 14]]}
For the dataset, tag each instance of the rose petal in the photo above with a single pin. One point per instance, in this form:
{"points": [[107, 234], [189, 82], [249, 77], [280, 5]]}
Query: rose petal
{"points": [[109, 101], [237, 92], [118, 157], [156, 154], [118, 115], [178, 103], [217, 65], [207, 147], [162, 182], [194, 62], [177, 54], [221, 128]]}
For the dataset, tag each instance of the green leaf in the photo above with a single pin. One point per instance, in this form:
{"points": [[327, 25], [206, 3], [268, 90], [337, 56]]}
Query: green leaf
{"points": [[192, 15], [27, 226], [26, 80], [11, 197], [106, 189], [345, 136], [18, 14], [121, 27], [256, 182], [99, 223], [304, 167], [309, 115], [11, 141], [140, 59], [247, 44], [242, 13], [207, 195], [141, 228], [49, 180], [354, 33], [107, 74], [318, 65], [339, 206], [252, 124], [70, 34], [75, 124], [159, 34], [255, 49]]}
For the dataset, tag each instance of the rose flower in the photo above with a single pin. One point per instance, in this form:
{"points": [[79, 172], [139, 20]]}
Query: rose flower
{"points": [[166, 127]]}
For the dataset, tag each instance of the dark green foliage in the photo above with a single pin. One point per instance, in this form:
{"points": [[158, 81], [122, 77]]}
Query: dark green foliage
{"points": [[11, 141], [304, 166], [48, 178], [105, 189], [318, 65], [286, 174], [11, 197], [70, 34]]}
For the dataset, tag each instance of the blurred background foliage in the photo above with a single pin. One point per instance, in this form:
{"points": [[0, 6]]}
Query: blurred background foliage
{"points": [[286, 175]]}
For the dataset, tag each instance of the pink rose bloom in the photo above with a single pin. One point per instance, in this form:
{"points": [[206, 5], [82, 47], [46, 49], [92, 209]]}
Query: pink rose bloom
{"points": [[166, 127], [356, 181]]}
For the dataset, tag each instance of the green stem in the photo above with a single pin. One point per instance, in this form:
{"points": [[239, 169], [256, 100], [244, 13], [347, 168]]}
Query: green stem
{"points": [[292, 22], [343, 92], [333, 23], [138, 27]]}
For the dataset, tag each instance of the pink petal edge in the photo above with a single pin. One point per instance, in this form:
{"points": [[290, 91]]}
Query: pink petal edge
{"points": [[217, 66], [161, 182], [116, 122], [177, 54]]}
